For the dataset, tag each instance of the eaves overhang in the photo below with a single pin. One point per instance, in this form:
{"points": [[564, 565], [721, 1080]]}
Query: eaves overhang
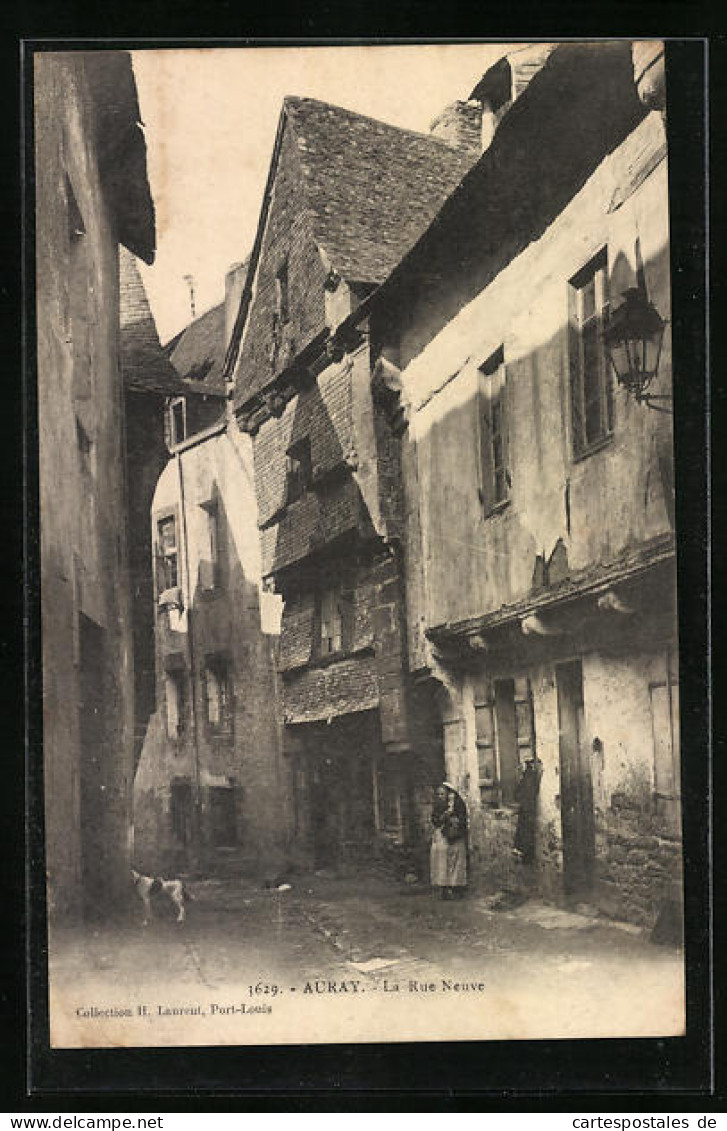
{"points": [[589, 582]]}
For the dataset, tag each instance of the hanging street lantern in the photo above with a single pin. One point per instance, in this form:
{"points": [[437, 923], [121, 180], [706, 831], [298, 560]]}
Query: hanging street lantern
{"points": [[632, 338]]}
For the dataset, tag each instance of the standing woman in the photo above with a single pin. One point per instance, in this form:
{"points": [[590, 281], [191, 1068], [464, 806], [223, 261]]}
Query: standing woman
{"points": [[448, 856]]}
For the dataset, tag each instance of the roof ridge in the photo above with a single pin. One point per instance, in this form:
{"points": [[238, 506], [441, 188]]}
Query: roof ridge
{"points": [[176, 338], [292, 99], [199, 317]]}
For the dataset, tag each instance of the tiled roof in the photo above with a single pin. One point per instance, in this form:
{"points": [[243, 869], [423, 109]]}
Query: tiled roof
{"points": [[144, 365], [121, 147], [372, 187], [198, 352]]}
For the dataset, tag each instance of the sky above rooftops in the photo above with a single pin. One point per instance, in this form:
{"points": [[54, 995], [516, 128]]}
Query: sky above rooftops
{"points": [[210, 117]]}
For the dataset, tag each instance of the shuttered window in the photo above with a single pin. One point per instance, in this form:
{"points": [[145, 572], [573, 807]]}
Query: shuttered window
{"points": [[505, 736]]}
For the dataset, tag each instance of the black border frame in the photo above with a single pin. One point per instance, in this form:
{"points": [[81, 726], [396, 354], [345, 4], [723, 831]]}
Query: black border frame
{"points": [[565, 1070]]}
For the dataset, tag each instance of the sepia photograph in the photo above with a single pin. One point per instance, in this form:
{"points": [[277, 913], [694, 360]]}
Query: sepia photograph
{"points": [[360, 662]]}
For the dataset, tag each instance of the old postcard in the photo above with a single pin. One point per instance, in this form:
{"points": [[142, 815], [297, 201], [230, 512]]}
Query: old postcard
{"points": [[357, 524]]}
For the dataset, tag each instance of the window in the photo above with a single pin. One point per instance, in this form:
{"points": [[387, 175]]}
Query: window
{"points": [[590, 376], [298, 470], [218, 695], [331, 622], [177, 420], [664, 700], [175, 687], [209, 565], [505, 736], [168, 567], [282, 307], [493, 414]]}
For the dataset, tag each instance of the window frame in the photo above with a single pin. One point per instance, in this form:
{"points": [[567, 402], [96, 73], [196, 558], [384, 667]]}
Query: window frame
{"points": [[594, 272], [179, 679], [218, 666], [298, 479], [498, 788], [330, 594], [343, 598], [163, 583], [493, 441], [174, 438], [211, 510]]}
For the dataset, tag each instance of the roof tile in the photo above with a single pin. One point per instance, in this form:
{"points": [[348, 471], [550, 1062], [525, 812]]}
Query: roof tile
{"points": [[371, 186]]}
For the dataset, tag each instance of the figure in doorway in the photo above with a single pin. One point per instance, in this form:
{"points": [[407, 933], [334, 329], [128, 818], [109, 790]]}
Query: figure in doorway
{"points": [[448, 854], [526, 796]]}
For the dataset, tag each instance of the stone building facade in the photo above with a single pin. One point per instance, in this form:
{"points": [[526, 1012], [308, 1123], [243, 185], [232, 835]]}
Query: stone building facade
{"points": [[92, 195], [346, 197], [538, 495], [210, 792]]}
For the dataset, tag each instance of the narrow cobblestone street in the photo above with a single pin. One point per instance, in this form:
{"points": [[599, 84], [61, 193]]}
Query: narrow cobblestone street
{"points": [[255, 965]]}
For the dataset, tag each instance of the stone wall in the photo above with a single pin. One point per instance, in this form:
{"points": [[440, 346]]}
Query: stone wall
{"points": [[86, 611], [637, 845], [598, 506], [225, 620], [288, 237]]}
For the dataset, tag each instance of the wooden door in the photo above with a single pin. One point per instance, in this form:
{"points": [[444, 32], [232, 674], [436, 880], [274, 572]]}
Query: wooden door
{"points": [[576, 785]]}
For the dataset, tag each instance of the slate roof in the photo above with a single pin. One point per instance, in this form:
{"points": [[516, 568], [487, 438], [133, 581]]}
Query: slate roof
{"points": [[144, 365], [198, 353], [121, 147], [372, 187]]}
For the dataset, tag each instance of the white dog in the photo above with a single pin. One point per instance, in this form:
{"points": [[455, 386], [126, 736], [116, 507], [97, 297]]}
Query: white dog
{"points": [[148, 887]]}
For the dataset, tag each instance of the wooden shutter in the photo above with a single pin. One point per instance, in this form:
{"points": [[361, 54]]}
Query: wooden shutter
{"points": [[575, 371], [524, 720]]}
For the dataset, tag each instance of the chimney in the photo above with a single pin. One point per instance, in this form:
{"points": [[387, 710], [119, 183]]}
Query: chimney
{"points": [[460, 125], [504, 82], [234, 282]]}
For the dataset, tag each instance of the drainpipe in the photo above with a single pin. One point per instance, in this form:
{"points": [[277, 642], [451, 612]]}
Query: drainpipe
{"points": [[197, 855]]}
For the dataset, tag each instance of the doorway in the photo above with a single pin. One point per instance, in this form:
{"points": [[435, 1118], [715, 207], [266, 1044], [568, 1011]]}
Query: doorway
{"points": [[576, 784], [341, 793]]}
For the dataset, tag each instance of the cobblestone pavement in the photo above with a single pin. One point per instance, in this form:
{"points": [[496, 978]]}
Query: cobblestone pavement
{"points": [[327, 930]]}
